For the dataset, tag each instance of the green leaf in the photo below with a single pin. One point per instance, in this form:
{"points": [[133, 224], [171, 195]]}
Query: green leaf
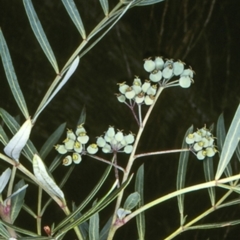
{"points": [[51, 141], [3, 136], [29, 150], [75, 16], [40, 34], [238, 151], [45, 180], [94, 226], [209, 176], [221, 135], [4, 178], [106, 200], [4, 232], [11, 76], [105, 230], [105, 7], [230, 144], [16, 144], [66, 77], [181, 175], [132, 201], [18, 200], [83, 115], [215, 225], [140, 218], [87, 200], [83, 227]]}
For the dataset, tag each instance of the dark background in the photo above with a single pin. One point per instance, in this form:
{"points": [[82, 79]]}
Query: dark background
{"points": [[203, 33]]}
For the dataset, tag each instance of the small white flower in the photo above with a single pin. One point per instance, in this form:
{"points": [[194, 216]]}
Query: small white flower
{"points": [[69, 143], [128, 149], [159, 63], [61, 149], [155, 76], [77, 158], [67, 160], [201, 154], [149, 99], [78, 147], [92, 149], [149, 65], [168, 71], [146, 86], [178, 68], [185, 81]]}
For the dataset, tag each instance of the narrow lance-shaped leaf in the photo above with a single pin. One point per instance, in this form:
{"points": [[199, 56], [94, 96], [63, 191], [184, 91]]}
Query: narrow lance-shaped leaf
{"points": [[230, 144], [18, 199], [132, 201], [82, 118], [29, 150], [140, 218], [209, 176], [69, 73], [221, 135], [94, 226], [40, 34], [4, 179], [43, 177], [14, 148], [11, 76], [75, 16], [51, 141], [181, 175], [105, 7]]}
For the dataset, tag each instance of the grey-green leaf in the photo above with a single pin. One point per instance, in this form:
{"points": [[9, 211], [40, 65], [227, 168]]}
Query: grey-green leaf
{"points": [[40, 34], [29, 150], [94, 226], [132, 201], [51, 141], [11, 76], [105, 7], [139, 187], [230, 144], [83, 115], [209, 176], [75, 16], [4, 179], [18, 200], [181, 175]]}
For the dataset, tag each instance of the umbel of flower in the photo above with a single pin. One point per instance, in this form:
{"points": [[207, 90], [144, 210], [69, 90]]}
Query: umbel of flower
{"points": [[202, 143], [162, 71], [113, 141], [138, 92], [74, 144]]}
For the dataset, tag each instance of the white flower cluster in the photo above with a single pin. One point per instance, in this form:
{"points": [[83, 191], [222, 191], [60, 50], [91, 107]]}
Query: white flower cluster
{"points": [[202, 142], [162, 71], [75, 144], [138, 92], [113, 141]]}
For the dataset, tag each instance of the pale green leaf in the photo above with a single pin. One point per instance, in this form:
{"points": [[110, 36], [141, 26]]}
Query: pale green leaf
{"points": [[29, 150], [131, 201], [105, 7], [66, 77], [105, 230], [40, 34], [75, 16], [209, 176], [215, 225], [230, 144], [18, 200], [140, 218], [221, 135], [43, 177], [51, 141], [83, 115], [94, 226], [4, 232], [16, 144], [11, 76], [3, 136], [88, 198], [221, 132], [181, 175], [4, 179], [238, 151]]}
